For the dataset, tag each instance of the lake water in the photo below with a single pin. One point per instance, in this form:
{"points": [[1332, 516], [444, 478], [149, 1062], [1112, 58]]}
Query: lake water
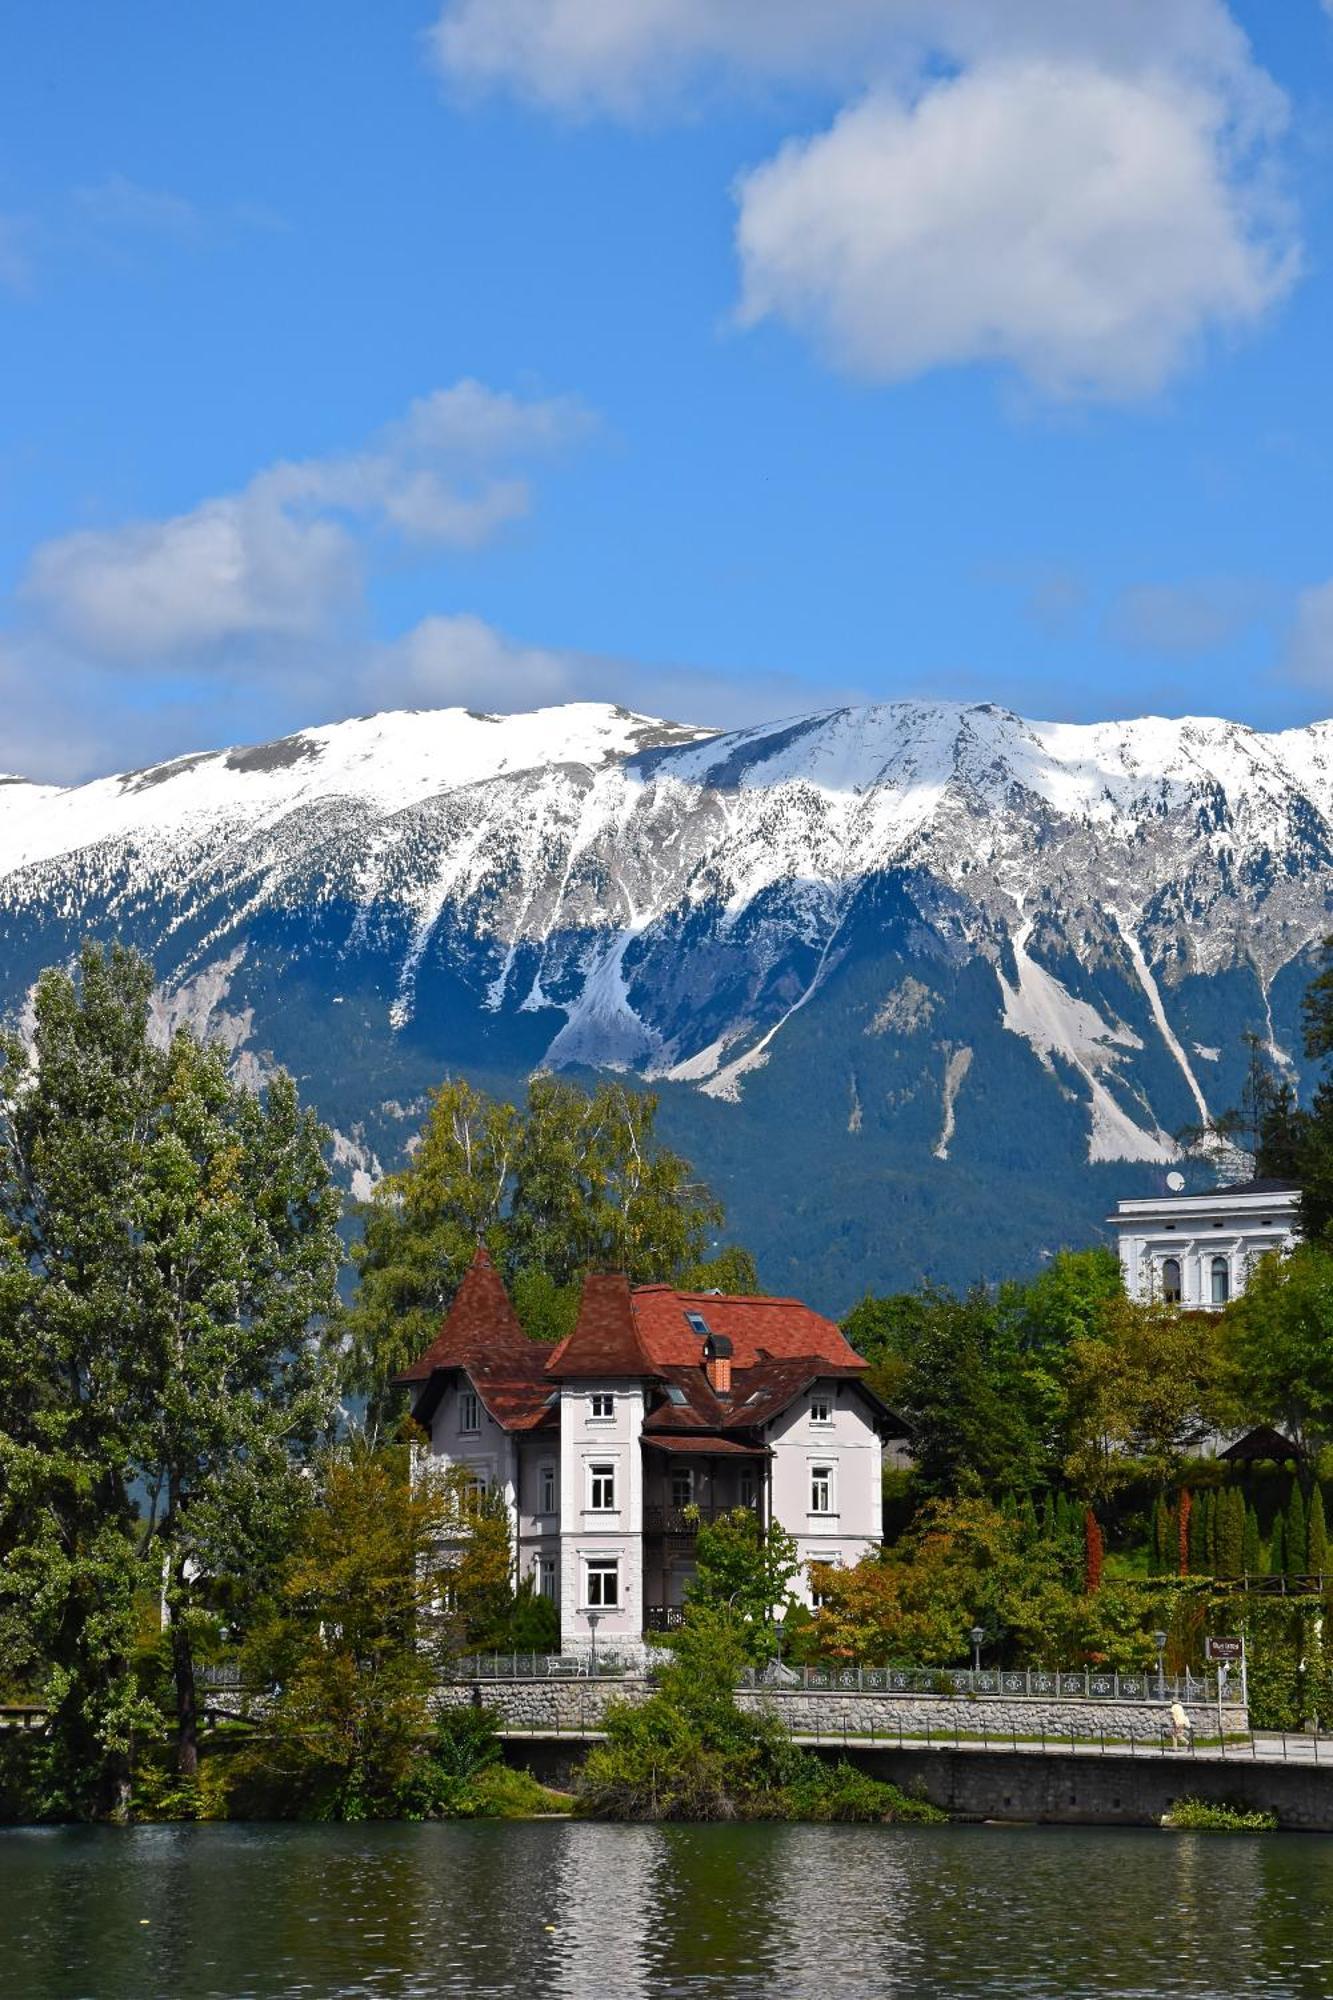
{"points": [[547, 1908]]}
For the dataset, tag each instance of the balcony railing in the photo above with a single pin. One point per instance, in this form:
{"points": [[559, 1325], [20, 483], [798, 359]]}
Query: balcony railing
{"points": [[687, 1520]]}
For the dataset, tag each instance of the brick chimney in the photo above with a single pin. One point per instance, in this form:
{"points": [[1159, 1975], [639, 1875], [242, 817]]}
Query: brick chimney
{"points": [[717, 1363]]}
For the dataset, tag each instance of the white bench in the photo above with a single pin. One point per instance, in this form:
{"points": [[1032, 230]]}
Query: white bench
{"points": [[560, 1667]]}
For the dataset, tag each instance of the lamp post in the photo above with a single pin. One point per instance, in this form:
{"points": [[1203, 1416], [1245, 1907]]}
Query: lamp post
{"points": [[978, 1640], [1159, 1640], [779, 1632], [594, 1620]]}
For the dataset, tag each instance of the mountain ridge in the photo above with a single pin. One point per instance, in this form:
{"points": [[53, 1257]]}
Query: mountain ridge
{"points": [[930, 913]]}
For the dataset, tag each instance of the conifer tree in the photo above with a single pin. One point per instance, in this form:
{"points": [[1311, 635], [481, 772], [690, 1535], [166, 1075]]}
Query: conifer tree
{"points": [[1048, 1518], [1184, 1511], [1252, 1551], [1317, 1534], [1295, 1538], [1230, 1532], [1027, 1520], [1277, 1548], [1198, 1535]]}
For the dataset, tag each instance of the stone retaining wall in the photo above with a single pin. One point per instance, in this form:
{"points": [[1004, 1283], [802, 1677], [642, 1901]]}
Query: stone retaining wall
{"points": [[574, 1706]]}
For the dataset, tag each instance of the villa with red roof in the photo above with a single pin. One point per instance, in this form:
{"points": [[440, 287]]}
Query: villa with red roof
{"points": [[661, 1409]]}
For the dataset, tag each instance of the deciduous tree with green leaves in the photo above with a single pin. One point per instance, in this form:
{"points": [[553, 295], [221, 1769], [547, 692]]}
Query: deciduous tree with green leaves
{"points": [[354, 1645], [1143, 1391], [574, 1181], [1277, 1344], [169, 1261], [741, 1567]]}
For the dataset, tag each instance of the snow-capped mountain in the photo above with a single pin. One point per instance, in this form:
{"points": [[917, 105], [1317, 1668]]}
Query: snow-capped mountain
{"points": [[923, 985]]}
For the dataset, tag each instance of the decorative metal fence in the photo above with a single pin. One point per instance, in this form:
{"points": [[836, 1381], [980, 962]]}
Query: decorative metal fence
{"points": [[987, 1684], [536, 1667], [1003, 1684]]}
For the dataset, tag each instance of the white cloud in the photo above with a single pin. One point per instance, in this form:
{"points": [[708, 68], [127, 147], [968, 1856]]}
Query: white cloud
{"points": [[280, 559], [120, 203], [646, 54], [230, 567], [1074, 223], [1310, 648], [1187, 618], [462, 660], [1077, 189]]}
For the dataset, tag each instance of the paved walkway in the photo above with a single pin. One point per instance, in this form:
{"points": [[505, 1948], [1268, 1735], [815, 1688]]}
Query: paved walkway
{"points": [[1263, 1747]]}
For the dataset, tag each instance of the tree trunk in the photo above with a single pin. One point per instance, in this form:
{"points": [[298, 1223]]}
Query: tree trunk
{"points": [[182, 1668], [116, 1789]]}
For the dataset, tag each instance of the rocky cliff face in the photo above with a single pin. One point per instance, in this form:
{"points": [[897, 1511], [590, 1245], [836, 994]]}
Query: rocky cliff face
{"points": [[923, 985]]}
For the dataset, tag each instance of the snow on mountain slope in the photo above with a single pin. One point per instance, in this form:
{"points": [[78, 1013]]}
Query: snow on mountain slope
{"points": [[385, 762], [586, 886]]}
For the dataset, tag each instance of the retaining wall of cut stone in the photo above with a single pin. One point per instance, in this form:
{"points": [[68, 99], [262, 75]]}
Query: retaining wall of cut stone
{"points": [[576, 1706]]}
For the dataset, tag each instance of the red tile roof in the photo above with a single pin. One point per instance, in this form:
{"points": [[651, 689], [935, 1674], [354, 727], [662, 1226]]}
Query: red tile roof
{"points": [[605, 1343], [481, 1321], [482, 1336], [756, 1327], [780, 1347]]}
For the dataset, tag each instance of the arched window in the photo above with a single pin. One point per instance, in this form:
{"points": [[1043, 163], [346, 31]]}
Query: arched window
{"points": [[1221, 1281], [1171, 1280]]}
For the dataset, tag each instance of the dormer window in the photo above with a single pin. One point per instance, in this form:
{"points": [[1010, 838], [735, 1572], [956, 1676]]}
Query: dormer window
{"points": [[601, 1406], [469, 1411], [821, 1410]]}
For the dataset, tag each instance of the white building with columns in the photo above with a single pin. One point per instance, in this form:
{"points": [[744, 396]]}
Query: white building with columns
{"points": [[1197, 1250], [661, 1410]]}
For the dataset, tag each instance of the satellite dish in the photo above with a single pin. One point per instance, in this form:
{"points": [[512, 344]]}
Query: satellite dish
{"points": [[1176, 1182]]}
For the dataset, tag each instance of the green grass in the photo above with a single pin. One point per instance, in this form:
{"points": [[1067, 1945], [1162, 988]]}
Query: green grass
{"points": [[1202, 1816]]}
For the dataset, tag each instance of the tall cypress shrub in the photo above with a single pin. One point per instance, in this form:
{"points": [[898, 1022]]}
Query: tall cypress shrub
{"points": [[1252, 1559], [1296, 1533], [1277, 1548], [1198, 1536], [1230, 1532], [1316, 1535]]}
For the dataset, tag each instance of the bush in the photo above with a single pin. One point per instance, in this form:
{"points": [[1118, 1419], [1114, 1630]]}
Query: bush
{"points": [[840, 1792], [1202, 1816], [689, 1753]]}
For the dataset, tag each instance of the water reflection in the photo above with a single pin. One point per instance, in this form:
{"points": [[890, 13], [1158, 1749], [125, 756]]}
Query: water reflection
{"points": [[581, 1912]]}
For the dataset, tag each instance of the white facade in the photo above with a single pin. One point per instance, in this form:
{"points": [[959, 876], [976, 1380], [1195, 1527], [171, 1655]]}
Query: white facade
{"points": [[618, 1544], [1197, 1250], [601, 1516], [826, 1477]]}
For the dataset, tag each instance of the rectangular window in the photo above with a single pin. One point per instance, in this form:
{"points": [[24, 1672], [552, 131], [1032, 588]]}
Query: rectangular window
{"points": [[546, 1490], [602, 1488], [821, 1489], [601, 1405], [821, 1410], [603, 1583], [469, 1411], [546, 1583], [682, 1487], [747, 1486]]}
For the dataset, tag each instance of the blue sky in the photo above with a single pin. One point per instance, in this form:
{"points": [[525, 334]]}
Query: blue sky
{"points": [[725, 359]]}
